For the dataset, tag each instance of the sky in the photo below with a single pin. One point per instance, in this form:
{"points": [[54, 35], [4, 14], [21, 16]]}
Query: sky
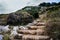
{"points": [[8, 6]]}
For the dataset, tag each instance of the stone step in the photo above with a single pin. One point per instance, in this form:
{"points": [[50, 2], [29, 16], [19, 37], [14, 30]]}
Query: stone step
{"points": [[35, 37], [36, 27], [32, 32], [39, 24], [41, 32], [32, 37]]}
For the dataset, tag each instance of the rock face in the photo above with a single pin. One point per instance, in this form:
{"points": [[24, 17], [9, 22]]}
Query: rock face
{"points": [[19, 18]]}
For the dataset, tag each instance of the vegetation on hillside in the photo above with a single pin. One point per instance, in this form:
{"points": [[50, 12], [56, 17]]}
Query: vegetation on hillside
{"points": [[49, 11], [44, 4], [3, 19], [29, 13], [19, 18], [33, 10]]}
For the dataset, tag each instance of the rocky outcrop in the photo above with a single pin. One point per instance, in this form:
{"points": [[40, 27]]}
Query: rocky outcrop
{"points": [[19, 18]]}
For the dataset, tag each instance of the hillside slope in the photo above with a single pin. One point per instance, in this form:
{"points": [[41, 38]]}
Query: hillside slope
{"points": [[30, 13]]}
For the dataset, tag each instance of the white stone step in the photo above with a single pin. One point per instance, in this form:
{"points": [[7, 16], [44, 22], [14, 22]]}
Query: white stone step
{"points": [[33, 32], [36, 27], [35, 37]]}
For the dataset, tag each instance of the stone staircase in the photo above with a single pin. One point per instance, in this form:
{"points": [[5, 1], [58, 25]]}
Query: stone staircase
{"points": [[34, 32]]}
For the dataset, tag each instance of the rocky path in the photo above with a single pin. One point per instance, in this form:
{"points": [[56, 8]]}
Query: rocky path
{"points": [[34, 32]]}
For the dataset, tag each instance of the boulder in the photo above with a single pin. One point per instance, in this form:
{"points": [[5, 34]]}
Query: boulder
{"points": [[18, 18]]}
